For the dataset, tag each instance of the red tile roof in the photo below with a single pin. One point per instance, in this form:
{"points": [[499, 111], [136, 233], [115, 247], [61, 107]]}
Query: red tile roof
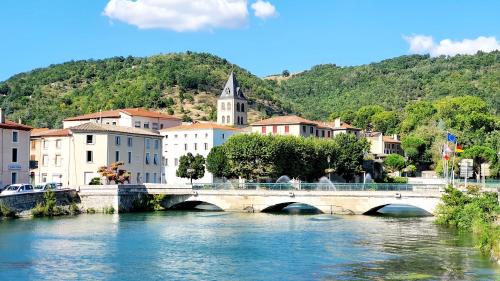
{"points": [[282, 120], [200, 126], [14, 126], [44, 132], [116, 114]]}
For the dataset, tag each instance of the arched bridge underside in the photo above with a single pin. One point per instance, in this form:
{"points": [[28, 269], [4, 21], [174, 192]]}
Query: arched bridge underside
{"points": [[337, 202]]}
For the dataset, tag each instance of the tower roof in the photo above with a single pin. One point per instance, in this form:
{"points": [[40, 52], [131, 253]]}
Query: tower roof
{"points": [[232, 88]]}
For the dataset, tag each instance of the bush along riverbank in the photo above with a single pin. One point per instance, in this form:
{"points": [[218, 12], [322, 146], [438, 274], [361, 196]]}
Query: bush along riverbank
{"points": [[49, 208], [475, 212]]}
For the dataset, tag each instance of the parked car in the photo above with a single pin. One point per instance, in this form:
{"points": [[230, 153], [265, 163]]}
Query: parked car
{"points": [[17, 188], [46, 186]]}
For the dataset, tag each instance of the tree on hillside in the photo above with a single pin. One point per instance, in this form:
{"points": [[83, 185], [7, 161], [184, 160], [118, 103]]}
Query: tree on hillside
{"points": [[385, 122], [285, 73], [364, 115], [394, 162], [191, 167], [415, 149]]}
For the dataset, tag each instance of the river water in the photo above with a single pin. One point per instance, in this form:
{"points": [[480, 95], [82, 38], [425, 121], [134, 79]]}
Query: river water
{"points": [[183, 245]]}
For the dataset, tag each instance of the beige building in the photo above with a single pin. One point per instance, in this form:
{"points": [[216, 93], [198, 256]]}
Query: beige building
{"points": [[72, 156], [381, 145], [232, 105], [14, 152], [128, 117], [298, 126]]}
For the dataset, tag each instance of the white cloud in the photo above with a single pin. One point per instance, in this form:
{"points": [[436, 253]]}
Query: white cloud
{"points": [[179, 15], [264, 9], [425, 44]]}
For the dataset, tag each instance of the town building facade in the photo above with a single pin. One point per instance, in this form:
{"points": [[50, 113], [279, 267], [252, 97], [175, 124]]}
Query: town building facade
{"points": [[381, 146], [128, 117], [14, 152], [196, 138]]}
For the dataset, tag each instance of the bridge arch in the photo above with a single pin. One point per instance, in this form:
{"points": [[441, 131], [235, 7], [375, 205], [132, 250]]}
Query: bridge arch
{"points": [[375, 210], [192, 204], [278, 207]]}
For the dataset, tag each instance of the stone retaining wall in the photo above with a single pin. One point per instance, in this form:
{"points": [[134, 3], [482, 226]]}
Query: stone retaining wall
{"points": [[27, 201]]}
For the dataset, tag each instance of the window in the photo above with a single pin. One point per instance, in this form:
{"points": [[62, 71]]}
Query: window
{"points": [[223, 119], [155, 159], [44, 177], [147, 177], [311, 130], [322, 133], [242, 107], [129, 142], [185, 146], [317, 133], [14, 155], [275, 129], [238, 107], [114, 123], [129, 157], [58, 161], [228, 119], [90, 156], [58, 144], [263, 128], [195, 146], [176, 162], [161, 126], [137, 124], [33, 144], [185, 136], [154, 177], [206, 135], [329, 134], [157, 144], [304, 129], [15, 136], [175, 136], [155, 126], [117, 156], [45, 160], [166, 162], [146, 125], [195, 136], [118, 140], [223, 106], [13, 177], [148, 144], [206, 146], [228, 106], [90, 139], [148, 158], [287, 129], [45, 144]]}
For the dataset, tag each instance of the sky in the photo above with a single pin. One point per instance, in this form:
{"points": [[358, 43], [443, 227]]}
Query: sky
{"points": [[263, 36]]}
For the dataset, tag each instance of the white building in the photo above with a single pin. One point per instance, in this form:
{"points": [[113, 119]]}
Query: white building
{"points": [[73, 156], [14, 152], [381, 146], [128, 117], [196, 138]]}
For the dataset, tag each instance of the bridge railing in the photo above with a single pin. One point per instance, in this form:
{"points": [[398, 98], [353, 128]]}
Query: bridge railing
{"points": [[317, 186]]}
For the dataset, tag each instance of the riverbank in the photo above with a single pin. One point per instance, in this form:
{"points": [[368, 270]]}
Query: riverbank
{"points": [[475, 212]]}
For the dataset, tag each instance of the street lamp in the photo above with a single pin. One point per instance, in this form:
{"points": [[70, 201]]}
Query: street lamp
{"points": [[190, 172]]}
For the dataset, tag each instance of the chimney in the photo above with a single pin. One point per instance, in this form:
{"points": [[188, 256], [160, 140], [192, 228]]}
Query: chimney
{"points": [[337, 122], [19, 121], [2, 115], [395, 137]]}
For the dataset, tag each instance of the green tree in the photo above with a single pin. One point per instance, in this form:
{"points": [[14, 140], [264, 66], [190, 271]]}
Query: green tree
{"points": [[385, 122], [218, 163], [191, 167], [285, 73], [364, 115], [349, 157], [394, 162]]}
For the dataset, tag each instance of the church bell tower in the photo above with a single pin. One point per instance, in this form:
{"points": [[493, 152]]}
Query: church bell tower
{"points": [[232, 105]]}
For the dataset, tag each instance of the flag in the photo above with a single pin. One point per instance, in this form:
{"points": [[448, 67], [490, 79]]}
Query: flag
{"points": [[446, 150], [459, 149], [452, 138]]}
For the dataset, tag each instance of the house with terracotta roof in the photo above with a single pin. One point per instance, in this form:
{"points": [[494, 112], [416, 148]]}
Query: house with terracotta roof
{"points": [[14, 151], [127, 117], [381, 146], [72, 156], [195, 138]]}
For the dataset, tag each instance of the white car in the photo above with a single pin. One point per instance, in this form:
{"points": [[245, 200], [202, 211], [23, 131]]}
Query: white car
{"points": [[46, 186], [17, 188]]}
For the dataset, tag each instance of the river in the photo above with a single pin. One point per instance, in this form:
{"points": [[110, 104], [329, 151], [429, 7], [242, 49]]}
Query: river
{"points": [[182, 245]]}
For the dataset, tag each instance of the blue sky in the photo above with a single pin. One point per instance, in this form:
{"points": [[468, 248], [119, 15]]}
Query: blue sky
{"points": [[285, 34]]}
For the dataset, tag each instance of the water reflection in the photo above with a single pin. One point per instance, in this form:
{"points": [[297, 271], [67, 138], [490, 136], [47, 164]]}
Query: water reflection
{"points": [[227, 246]]}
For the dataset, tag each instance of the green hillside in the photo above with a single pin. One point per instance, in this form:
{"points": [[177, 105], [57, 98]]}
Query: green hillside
{"points": [[184, 84], [393, 83]]}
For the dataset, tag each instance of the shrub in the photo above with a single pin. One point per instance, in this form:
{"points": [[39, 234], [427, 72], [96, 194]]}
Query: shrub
{"points": [[156, 202], [108, 210], [91, 211], [6, 211], [95, 181]]}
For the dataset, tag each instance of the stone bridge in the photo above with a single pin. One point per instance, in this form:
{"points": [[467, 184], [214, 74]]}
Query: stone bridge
{"points": [[329, 202]]}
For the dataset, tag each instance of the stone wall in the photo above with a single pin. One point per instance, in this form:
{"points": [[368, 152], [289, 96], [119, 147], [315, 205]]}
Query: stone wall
{"points": [[27, 201]]}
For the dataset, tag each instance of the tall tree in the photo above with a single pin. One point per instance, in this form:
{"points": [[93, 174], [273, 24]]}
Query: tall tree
{"points": [[191, 167]]}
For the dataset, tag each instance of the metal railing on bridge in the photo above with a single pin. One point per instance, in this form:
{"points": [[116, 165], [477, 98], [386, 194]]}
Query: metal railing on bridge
{"points": [[317, 186]]}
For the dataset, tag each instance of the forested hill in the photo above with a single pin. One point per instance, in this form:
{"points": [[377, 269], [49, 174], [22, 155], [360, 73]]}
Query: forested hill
{"points": [[184, 84], [393, 83]]}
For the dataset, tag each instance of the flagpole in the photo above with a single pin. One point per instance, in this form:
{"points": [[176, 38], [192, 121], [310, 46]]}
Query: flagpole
{"points": [[453, 164]]}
